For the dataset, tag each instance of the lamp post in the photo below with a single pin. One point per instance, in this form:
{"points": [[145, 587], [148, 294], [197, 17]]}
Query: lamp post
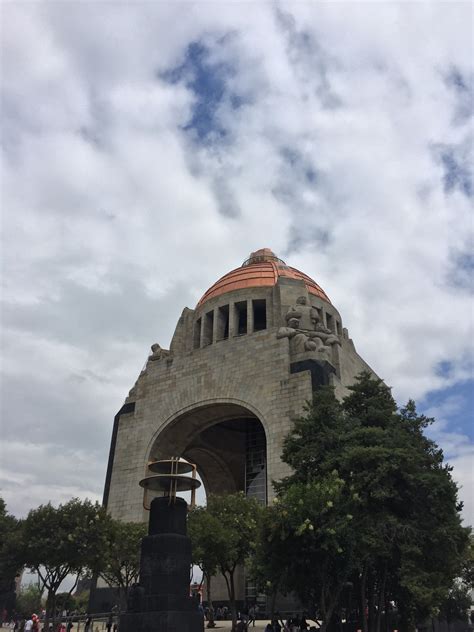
{"points": [[161, 601]]}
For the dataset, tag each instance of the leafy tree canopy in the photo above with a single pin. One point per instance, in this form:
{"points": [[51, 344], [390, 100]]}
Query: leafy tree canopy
{"points": [[202, 527], [29, 600], [405, 541], [57, 542], [119, 562], [233, 519], [10, 562]]}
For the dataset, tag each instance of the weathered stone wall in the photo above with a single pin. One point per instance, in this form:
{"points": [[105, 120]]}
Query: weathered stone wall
{"points": [[250, 372], [189, 389]]}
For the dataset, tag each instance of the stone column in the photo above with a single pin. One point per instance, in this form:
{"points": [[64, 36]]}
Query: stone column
{"points": [[203, 324], [232, 320], [215, 325], [249, 316]]}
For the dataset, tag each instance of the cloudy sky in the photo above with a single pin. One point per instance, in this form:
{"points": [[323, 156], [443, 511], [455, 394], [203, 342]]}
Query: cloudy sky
{"points": [[148, 147]]}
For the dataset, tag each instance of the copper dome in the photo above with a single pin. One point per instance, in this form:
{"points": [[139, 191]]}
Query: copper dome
{"points": [[261, 269]]}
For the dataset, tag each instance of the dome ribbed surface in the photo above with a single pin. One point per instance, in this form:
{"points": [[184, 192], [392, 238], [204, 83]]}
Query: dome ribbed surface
{"points": [[262, 269]]}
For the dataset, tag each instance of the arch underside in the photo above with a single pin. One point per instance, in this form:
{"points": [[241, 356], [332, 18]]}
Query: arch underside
{"points": [[221, 439]]}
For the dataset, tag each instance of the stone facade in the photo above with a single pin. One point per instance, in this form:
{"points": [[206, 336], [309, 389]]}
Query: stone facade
{"points": [[232, 359]]}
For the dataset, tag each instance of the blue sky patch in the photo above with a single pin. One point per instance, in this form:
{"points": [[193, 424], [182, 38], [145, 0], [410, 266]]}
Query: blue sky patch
{"points": [[456, 80], [208, 80], [300, 166], [455, 162], [455, 404], [461, 271], [461, 86]]}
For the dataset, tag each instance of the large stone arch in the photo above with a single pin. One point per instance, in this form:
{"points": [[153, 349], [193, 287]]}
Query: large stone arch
{"points": [[211, 434]]}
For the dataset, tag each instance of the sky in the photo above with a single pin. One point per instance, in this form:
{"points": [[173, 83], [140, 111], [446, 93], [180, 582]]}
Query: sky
{"points": [[148, 148]]}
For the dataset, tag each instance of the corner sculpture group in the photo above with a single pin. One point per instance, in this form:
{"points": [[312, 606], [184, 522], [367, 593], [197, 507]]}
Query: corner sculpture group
{"points": [[306, 331], [161, 601]]}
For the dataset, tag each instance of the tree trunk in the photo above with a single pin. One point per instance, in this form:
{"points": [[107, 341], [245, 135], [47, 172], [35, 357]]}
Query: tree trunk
{"points": [[272, 604], [49, 607], [210, 622], [233, 607], [119, 600], [371, 602], [362, 599], [231, 591], [381, 600], [328, 615], [388, 610]]}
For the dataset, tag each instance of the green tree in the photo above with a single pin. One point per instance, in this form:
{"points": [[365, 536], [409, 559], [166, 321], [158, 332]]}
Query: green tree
{"points": [[202, 526], [62, 541], [10, 564], [65, 601], [268, 566], [235, 522], [81, 601], [456, 605], [119, 563], [406, 539], [29, 600], [458, 601], [308, 536]]}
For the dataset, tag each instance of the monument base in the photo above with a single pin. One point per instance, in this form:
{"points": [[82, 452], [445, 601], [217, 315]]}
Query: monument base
{"points": [[170, 621]]}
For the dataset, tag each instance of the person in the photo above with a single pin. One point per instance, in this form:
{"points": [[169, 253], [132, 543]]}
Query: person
{"points": [[36, 624], [269, 627], [28, 625], [241, 626], [88, 624], [251, 619], [276, 625], [108, 625], [70, 625]]}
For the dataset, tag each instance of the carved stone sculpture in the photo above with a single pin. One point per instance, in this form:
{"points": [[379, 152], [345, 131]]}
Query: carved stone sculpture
{"points": [[306, 331], [157, 352]]}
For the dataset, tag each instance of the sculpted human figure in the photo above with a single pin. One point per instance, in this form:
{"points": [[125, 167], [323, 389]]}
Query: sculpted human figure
{"points": [[306, 331], [157, 352], [302, 315]]}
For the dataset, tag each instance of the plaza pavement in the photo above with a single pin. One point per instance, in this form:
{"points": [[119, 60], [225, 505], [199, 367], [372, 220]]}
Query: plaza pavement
{"points": [[220, 625]]}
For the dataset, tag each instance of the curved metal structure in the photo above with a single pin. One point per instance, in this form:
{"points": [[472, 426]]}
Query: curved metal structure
{"points": [[169, 478]]}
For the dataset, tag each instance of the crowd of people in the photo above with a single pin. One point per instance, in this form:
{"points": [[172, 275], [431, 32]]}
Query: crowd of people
{"points": [[247, 619], [34, 623], [294, 623]]}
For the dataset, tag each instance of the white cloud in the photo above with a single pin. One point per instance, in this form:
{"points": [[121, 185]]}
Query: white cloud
{"points": [[116, 216], [458, 449]]}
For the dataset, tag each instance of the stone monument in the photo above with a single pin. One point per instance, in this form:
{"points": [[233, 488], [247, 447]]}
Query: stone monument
{"points": [[161, 601], [240, 367]]}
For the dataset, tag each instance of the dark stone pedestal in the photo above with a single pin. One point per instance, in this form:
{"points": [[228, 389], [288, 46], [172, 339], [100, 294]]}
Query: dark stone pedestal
{"points": [[161, 603]]}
